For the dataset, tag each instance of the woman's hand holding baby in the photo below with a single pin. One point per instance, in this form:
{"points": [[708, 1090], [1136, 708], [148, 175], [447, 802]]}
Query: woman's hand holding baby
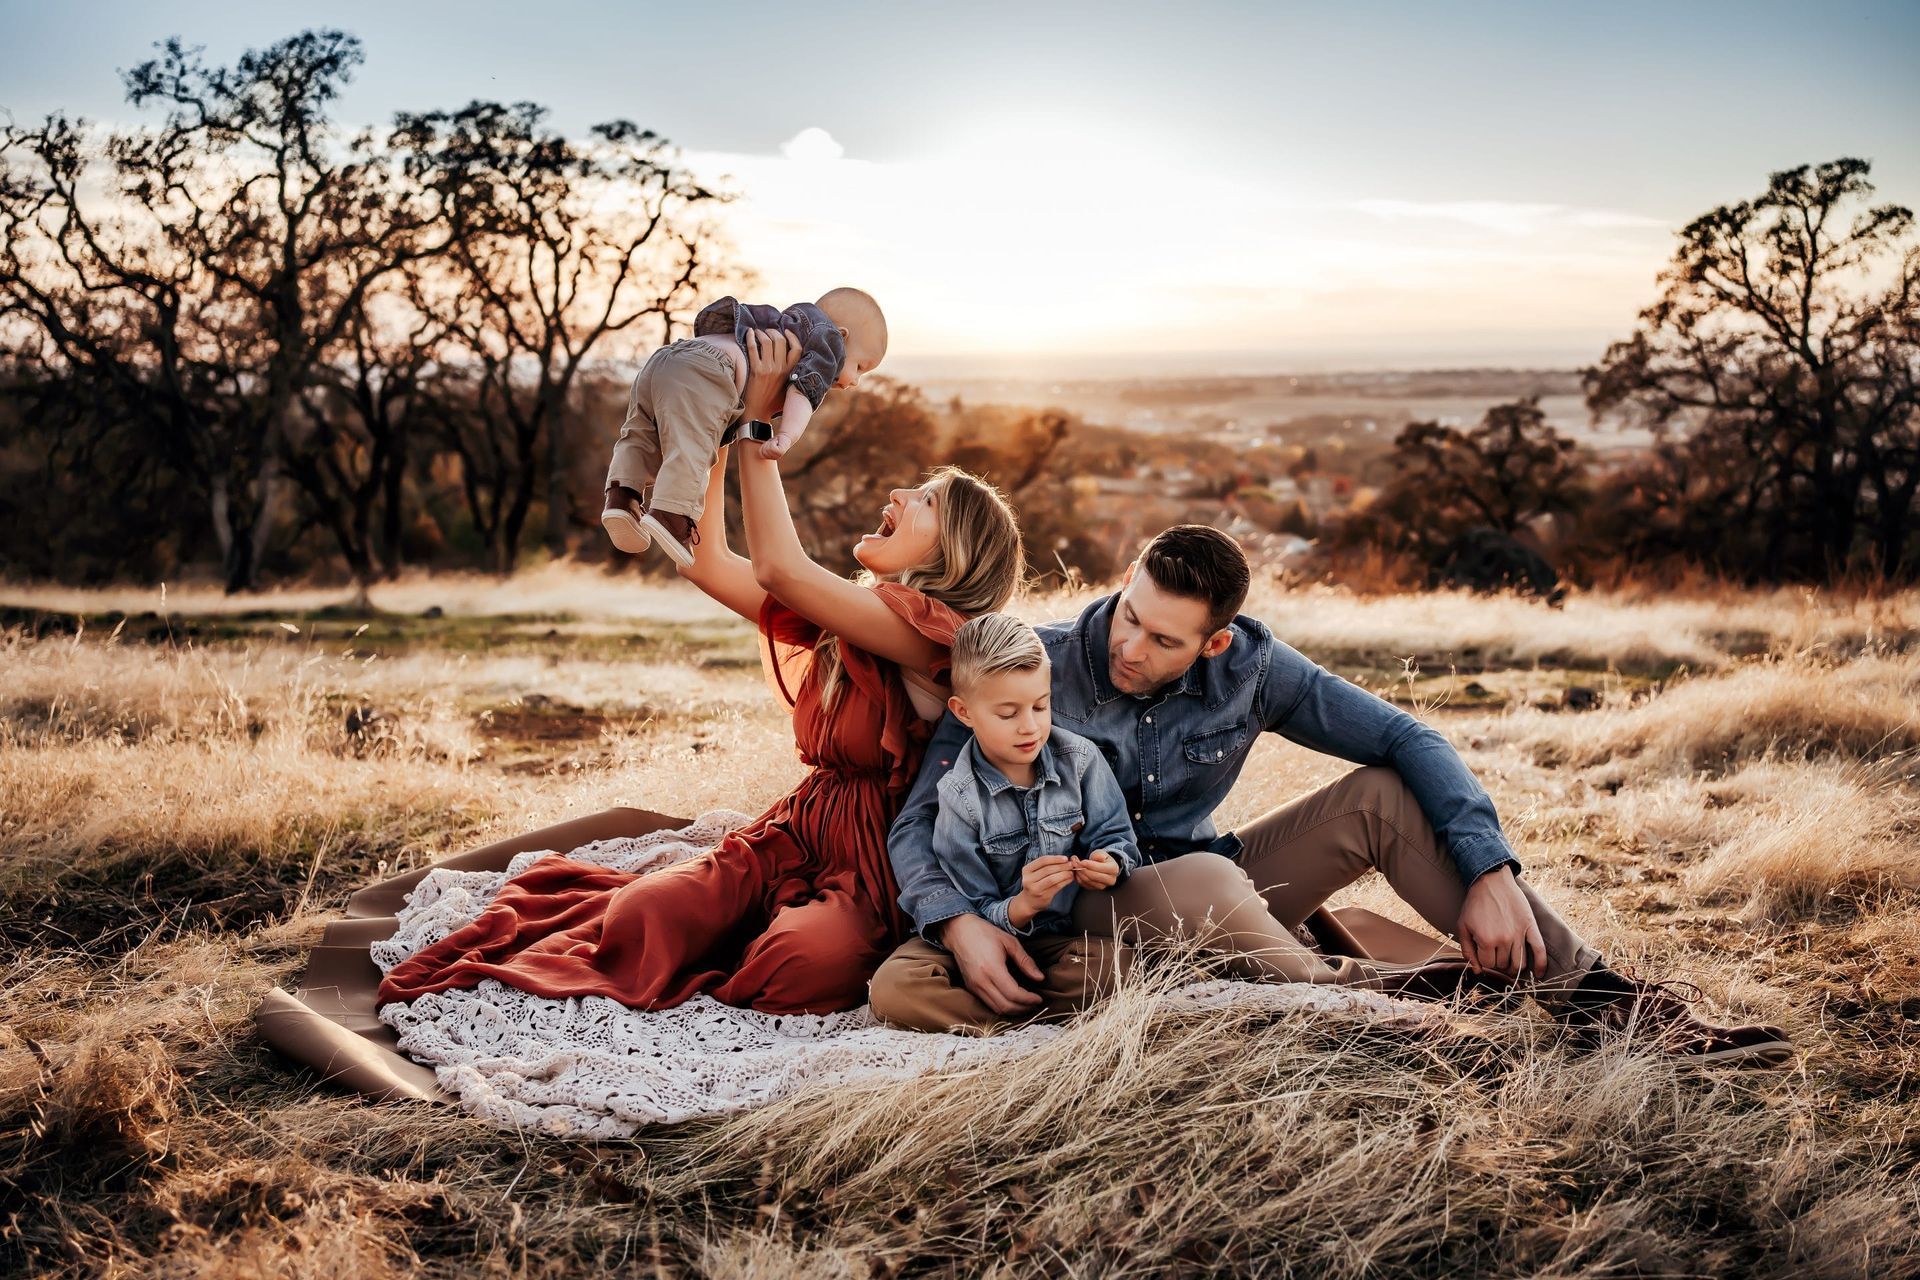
{"points": [[771, 355]]}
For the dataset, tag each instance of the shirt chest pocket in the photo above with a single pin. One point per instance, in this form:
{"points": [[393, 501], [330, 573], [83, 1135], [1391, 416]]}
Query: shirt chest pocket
{"points": [[1060, 834], [1006, 852], [1219, 747]]}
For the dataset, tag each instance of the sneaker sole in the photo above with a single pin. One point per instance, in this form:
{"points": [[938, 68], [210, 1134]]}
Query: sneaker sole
{"points": [[625, 531], [666, 541]]}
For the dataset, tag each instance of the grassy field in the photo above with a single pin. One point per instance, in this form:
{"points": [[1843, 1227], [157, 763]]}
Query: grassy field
{"points": [[189, 786]]}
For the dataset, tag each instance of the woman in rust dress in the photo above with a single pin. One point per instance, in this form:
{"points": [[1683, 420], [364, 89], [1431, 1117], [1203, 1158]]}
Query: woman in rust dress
{"points": [[795, 911]]}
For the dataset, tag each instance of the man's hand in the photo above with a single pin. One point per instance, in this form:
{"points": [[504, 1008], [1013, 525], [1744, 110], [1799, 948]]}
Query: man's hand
{"points": [[1097, 870], [1497, 931], [984, 951]]}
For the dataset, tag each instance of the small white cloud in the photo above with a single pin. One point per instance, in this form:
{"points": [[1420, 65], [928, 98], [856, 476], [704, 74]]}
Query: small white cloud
{"points": [[811, 146]]}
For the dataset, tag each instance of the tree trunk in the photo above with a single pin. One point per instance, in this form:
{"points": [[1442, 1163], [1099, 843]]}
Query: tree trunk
{"points": [[558, 506]]}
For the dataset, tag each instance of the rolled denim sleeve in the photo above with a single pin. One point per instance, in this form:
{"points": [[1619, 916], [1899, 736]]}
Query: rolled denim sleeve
{"points": [[1106, 808], [1305, 703], [1000, 912], [927, 894], [823, 353]]}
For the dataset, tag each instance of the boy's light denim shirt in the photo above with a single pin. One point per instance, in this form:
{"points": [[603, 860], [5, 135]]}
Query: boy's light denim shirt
{"points": [[988, 829], [1177, 752], [822, 350]]}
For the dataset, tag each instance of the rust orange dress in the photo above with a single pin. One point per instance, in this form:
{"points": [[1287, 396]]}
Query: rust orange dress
{"points": [[792, 913]]}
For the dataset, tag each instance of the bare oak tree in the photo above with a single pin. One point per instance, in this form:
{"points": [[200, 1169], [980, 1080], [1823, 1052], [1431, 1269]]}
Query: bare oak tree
{"points": [[558, 247], [232, 248], [1780, 368]]}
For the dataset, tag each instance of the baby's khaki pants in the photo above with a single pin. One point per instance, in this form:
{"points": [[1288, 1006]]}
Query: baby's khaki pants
{"points": [[681, 404], [919, 986]]}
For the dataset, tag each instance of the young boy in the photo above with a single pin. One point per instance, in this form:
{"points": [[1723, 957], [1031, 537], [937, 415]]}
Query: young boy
{"points": [[1029, 816], [687, 398]]}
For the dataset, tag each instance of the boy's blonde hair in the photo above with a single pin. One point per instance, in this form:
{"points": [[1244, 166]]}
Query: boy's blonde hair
{"points": [[991, 644]]}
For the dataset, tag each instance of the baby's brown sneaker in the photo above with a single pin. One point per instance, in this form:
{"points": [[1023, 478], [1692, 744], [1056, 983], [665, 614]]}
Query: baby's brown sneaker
{"points": [[677, 535], [621, 520], [1659, 1014]]}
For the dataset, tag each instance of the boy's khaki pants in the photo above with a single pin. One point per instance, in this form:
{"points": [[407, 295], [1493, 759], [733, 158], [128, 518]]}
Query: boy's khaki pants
{"points": [[1246, 911], [679, 408], [919, 986]]}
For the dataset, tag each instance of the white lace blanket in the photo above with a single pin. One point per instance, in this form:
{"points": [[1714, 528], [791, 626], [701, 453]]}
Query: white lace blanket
{"points": [[592, 1067]]}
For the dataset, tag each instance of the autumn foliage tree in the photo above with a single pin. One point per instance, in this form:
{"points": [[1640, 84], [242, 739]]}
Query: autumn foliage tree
{"points": [[1503, 474]]}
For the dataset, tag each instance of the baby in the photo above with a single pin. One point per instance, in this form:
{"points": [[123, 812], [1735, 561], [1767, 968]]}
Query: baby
{"points": [[1029, 816], [689, 396]]}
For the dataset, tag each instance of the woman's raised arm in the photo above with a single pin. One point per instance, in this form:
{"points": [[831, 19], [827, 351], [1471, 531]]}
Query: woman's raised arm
{"points": [[782, 567], [716, 570]]}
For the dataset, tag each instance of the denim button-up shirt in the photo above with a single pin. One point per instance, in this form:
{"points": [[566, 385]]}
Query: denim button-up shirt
{"points": [[987, 829], [822, 349], [1177, 751]]}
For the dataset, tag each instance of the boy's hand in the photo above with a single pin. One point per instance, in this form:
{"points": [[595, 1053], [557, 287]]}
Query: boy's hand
{"points": [[778, 446], [1042, 879], [1098, 870]]}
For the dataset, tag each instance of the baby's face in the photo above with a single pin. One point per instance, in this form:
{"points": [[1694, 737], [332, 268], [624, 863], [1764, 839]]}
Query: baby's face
{"points": [[863, 354], [1011, 714]]}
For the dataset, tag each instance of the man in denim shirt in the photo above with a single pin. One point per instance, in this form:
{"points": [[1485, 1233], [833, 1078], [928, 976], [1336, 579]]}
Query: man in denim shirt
{"points": [[1174, 685], [1030, 816]]}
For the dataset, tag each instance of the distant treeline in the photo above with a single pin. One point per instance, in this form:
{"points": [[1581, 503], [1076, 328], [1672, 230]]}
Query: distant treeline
{"points": [[245, 336]]}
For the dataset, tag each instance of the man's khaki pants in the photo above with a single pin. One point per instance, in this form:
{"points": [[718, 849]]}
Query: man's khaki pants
{"points": [[919, 986], [1295, 858], [1245, 911]]}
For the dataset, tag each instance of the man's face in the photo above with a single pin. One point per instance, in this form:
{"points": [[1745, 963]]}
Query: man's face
{"points": [[1156, 636]]}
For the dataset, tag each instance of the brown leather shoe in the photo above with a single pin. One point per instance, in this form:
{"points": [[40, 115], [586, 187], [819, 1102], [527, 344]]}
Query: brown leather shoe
{"points": [[674, 533], [1608, 1003], [621, 519]]}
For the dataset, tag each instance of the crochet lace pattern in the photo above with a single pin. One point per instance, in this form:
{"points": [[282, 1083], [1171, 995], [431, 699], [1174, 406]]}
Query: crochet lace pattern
{"points": [[592, 1067]]}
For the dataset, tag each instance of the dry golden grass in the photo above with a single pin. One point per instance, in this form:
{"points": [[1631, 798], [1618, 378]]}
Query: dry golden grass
{"points": [[176, 822]]}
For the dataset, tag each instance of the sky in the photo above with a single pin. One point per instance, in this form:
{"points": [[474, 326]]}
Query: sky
{"points": [[1205, 187]]}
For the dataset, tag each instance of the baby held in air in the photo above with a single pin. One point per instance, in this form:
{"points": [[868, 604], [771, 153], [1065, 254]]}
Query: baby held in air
{"points": [[688, 399]]}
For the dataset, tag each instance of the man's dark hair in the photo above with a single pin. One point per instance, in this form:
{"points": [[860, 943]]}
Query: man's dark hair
{"points": [[1200, 563]]}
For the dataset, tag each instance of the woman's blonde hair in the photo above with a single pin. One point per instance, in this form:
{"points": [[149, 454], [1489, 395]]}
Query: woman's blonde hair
{"points": [[976, 567]]}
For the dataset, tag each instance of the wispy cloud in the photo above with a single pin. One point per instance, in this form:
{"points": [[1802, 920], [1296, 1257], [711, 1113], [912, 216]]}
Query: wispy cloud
{"points": [[1508, 217]]}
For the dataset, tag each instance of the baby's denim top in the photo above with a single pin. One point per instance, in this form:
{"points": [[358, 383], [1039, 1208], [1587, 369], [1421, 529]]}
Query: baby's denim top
{"points": [[822, 349], [987, 829]]}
